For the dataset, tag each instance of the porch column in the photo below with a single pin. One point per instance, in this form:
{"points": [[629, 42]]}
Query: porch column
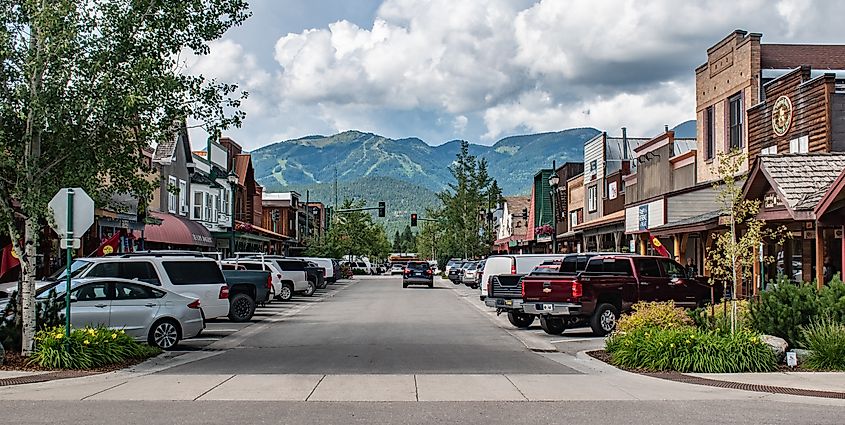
{"points": [[676, 247], [842, 269], [643, 247], [755, 273], [819, 256]]}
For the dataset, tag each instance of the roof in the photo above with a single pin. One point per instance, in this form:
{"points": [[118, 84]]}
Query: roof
{"points": [[166, 150], [517, 203], [689, 222], [802, 179], [610, 218], [242, 163], [820, 56]]}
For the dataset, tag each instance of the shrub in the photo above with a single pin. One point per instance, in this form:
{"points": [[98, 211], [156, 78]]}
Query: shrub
{"points": [[826, 340], [782, 311], [660, 315], [688, 349], [718, 317], [832, 300], [48, 313], [86, 348]]}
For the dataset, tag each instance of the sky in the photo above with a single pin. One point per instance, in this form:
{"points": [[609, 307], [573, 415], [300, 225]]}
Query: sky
{"points": [[482, 70]]}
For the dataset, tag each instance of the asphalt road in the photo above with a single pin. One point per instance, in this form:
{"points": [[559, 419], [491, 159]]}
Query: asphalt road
{"points": [[377, 327]]}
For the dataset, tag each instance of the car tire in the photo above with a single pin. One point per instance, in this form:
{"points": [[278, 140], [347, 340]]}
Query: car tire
{"points": [[520, 320], [404, 285], [241, 307], [286, 293], [552, 325], [312, 287], [604, 319], [165, 334], [430, 285]]}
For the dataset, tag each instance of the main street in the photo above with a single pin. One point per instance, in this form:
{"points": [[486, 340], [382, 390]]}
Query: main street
{"points": [[369, 351]]}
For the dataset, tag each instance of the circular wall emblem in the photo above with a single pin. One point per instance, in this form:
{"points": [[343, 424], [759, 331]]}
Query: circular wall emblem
{"points": [[782, 115]]}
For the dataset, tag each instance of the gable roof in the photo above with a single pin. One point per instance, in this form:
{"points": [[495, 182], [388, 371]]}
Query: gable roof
{"points": [[166, 150], [515, 206], [799, 180]]}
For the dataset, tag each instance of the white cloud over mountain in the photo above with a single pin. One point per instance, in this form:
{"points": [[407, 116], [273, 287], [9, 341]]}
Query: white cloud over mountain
{"points": [[481, 70]]}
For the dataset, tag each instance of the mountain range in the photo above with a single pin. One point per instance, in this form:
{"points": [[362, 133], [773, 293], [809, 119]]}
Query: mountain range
{"points": [[406, 173]]}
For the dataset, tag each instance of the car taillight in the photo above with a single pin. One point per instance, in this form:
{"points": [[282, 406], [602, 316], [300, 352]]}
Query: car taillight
{"points": [[489, 288], [270, 282], [406, 271], [522, 283], [429, 271], [195, 304], [224, 292], [513, 266], [577, 290]]}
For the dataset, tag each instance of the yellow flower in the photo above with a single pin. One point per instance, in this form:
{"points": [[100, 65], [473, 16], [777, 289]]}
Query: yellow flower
{"points": [[86, 342], [60, 336], [92, 332], [122, 332], [672, 345], [113, 336]]}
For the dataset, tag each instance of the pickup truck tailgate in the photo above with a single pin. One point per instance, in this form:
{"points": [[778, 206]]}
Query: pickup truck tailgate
{"points": [[551, 288], [505, 286]]}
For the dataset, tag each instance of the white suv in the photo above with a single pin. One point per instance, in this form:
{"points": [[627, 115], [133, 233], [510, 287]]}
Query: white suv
{"points": [[190, 275]]}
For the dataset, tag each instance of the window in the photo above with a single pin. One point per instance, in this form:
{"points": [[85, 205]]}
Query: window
{"points": [[297, 265], [771, 150], [648, 267], [183, 197], [91, 292], [253, 266], [573, 218], [610, 266], [574, 264], [197, 206], [735, 116], [172, 196], [592, 199], [206, 204], [213, 209], [594, 166], [105, 270], [672, 269], [129, 291], [799, 145], [193, 272], [141, 270], [709, 133]]}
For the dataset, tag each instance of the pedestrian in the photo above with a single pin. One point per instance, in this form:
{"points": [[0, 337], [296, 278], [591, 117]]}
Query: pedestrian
{"points": [[829, 270], [692, 270]]}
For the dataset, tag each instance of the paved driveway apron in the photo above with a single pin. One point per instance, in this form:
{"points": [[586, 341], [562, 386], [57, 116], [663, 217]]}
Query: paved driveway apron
{"points": [[377, 327]]}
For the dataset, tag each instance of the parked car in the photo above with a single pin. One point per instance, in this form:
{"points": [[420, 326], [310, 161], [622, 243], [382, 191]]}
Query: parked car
{"points": [[511, 264], [289, 276], [326, 264], [338, 273], [315, 274], [452, 263], [456, 273], [247, 289], [189, 274], [609, 286], [469, 272], [418, 273], [144, 311], [397, 268]]}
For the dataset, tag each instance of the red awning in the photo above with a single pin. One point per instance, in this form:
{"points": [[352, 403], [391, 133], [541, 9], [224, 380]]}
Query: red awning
{"points": [[177, 231]]}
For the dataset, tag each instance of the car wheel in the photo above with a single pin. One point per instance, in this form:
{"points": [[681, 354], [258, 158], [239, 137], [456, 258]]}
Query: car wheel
{"points": [[241, 308], [404, 285], [164, 334], [520, 320], [431, 284], [311, 288], [286, 293], [604, 319], [552, 325]]}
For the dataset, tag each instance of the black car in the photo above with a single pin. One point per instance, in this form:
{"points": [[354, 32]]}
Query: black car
{"points": [[418, 273]]}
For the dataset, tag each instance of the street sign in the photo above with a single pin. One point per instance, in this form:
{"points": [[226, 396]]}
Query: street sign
{"points": [[73, 214], [83, 212]]}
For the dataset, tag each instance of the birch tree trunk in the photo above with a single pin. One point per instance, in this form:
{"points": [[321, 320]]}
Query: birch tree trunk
{"points": [[28, 286]]}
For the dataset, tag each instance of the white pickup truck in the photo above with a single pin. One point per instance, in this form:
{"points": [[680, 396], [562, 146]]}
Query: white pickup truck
{"points": [[288, 275]]}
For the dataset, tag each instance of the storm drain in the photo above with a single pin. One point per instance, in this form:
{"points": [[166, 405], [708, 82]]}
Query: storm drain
{"points": [[687, 379], [44, 377]]}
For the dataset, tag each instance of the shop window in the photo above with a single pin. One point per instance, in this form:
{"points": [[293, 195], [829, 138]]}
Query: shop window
{"points": [[197, 206], [771, 150], [735, 116]]}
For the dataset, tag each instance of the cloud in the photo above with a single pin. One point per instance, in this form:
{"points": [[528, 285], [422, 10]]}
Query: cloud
{"points": [[486, 69]]}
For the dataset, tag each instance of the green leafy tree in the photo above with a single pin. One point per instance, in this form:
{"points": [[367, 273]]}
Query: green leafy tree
{"points": [[465, 205], [397, 242], [731, 260], [409, 241], [87, 85], [352, 233]]}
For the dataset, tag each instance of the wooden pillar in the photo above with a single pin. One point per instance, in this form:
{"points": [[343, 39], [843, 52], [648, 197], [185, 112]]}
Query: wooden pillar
{"points": [[842, 268], [707, 242], [787, 257], [643, 246], [676, 247], [755, 272], [819, 256]]}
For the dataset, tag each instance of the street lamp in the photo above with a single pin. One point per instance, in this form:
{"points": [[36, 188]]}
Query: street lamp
{"points": [[554, 181], [233, 181]]}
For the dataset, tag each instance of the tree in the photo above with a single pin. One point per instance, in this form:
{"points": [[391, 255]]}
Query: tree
{"points": [[408, 240], [732, 258], [352, 233], [397, 242], [465, 206], [87, 85]]}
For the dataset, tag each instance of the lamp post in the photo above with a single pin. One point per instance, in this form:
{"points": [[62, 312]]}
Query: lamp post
{"points": [[233, 181], [554, 180]]}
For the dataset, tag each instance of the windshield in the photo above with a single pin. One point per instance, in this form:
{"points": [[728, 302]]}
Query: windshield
{"points": [[59, 287], [77, 267]]}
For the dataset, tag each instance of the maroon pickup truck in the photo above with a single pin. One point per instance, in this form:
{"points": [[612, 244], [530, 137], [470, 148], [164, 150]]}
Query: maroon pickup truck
{"points": [[609, 285]]}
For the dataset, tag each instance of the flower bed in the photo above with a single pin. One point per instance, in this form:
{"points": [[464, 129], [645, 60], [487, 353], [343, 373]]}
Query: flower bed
{"points": [[86, 348]]}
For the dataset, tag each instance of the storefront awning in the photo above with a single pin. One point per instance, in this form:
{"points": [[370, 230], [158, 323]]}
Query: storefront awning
{"points": [[706, 221], [176, 230], [612, 218]]}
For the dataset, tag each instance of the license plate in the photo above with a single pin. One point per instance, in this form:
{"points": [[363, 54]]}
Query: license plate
{"points": [[508, 302], [500, 302], [548, 307]]}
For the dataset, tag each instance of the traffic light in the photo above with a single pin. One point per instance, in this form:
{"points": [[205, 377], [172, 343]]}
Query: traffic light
{"points": [[381, 208], [413, 220]]}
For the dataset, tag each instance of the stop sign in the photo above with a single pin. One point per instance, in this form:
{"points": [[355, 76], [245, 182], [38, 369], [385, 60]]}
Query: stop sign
{"points": [[82, 214]]}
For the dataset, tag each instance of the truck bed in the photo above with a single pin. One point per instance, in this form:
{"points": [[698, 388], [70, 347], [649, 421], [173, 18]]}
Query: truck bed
{"points": [[505, 286]]}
